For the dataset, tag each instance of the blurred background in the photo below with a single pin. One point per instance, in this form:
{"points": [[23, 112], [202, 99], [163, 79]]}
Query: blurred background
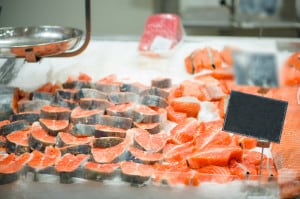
{"points": [[269, 18]]}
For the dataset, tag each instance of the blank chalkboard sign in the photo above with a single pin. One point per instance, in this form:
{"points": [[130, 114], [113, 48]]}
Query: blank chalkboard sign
{"points": [[257, 69], [255, 116]]}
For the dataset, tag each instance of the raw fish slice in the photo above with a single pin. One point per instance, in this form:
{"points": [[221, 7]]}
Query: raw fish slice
{"points": [[65, 139], [94, 103], [31, 105], [55, 112], [76, 84], [76, 149], [112, 154], [175, 116], [39, 138], [108, 131], [70, 94], [144, 157], [11, 167], [135, 173], [96, 171], [83, 130], [68, 166], [105, 142], [154, 101], [10, 127], [244, 141], [108, 87], [149, 142], [213, 173], [144, 114], [189, 105], [17, 141], [177, 152], [184, 131], [43, 161], [152, 128], [79, 115], [36, 95], [67, 103], [243, 171], [161, 82], [115, 121], [29, 117], [54, 126], [91, 93], [123, 97], [155, 91], [121, 110], [2, 141], [215, 155], [174, 174], [135, 87]]}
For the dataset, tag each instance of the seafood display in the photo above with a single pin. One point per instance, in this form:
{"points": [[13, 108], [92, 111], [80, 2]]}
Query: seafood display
{"points": [[160, 134]]}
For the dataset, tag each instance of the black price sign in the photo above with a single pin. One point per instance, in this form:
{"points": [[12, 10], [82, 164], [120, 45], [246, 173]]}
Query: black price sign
{"points": [[255, 116], [257, 69]]}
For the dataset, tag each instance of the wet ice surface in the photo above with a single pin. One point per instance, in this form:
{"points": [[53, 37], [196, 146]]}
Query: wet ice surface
{"points": [[102, 58], [25, 188]]}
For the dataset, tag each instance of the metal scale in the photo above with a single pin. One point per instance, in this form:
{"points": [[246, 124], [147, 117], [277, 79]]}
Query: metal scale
{"points": [[33, 43]]}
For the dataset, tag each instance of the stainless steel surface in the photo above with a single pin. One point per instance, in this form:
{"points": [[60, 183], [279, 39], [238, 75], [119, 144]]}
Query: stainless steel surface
{"points": [[40, 41], [87, 32], [36, 42]]}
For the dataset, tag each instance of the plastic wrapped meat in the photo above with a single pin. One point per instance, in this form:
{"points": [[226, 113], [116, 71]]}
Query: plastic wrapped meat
{"points": [[161, 34]]}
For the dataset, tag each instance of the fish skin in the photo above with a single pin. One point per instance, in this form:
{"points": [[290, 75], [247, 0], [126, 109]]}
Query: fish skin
{"points": [[29, 117], [94, 103], [76, 84], [13, 126], [36, 95], [163, 82], [83, 130], [17, 142], [155, 101], [115, 121], [91, 93], [123, 97], [105, 142], [79, 115], [155, 91], [100, 172], [40, 143], [31, 105]]}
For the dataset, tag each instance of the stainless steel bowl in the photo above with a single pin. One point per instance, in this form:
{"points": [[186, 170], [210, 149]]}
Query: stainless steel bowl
{"points": [[39, 41]]}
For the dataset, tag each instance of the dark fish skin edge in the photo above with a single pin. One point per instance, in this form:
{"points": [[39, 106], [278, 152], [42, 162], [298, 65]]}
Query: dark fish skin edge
{"points": [[29, 117], [13, 126], [134, 179], [91, 119], [36, 144], [100, 176], [153, 100], [55, 115], [42, 96], [105, 142], [76, 149], [32, 105], [50, 131], [83, 130], [12, 177], [12, 147], [91, 93], [77, 84], [66, 94]]}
